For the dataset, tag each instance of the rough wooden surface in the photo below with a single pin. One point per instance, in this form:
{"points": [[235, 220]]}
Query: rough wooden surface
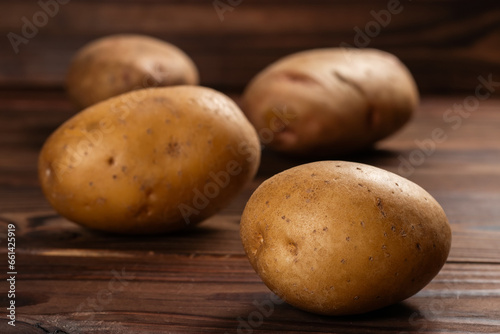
{"points": [[71, 280], [446, 44]]}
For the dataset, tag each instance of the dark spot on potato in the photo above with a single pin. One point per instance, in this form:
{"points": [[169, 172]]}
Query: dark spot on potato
{"points": [[124, 169], [91, 183], [359, 184], [267, 202], [385, 234], [403, 233], [348, 280], [313, 175], [377, 297], [387, 255], [397, 185], [370, 258], [384, 247], [148, 192], [287, 196], [179, 173], [418, 246], [325, 229], [393, 228], [314, 231], [326, 182], [356, 297], [299, 78], [433, 245], [149, 131], [342, 261], [125, 137], [362, 223], [358, 168], [380, 206], [337, 166], [283, 217], [288, 220], [111, 161], [143, 210], [396, 274], [114, 176], [173, 148], [348, 238]]}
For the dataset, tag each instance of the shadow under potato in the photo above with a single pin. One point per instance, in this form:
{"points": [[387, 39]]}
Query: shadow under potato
{"points": [[260, 316], [58, 232], [273, 162]]}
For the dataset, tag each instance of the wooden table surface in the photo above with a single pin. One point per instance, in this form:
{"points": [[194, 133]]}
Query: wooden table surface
{"points": [[72, 280]]}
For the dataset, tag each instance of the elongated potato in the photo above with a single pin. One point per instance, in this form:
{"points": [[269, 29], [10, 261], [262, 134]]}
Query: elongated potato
{"points": [[341, 238], [149, 161], [117, 64], [328, 102]]}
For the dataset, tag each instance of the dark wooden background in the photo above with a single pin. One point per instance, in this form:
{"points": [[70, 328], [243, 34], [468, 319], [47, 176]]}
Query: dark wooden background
{"points": [[447, 44]]}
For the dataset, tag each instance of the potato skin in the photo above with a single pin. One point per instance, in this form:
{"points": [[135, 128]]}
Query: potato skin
{"points": [[340, 238], [149, 161], [117, 64], [329, 102]]}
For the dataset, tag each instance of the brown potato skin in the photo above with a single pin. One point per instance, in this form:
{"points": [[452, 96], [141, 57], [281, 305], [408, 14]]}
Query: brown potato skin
{"points": [[330, 102], [137, 163], [117, 64], [341, 238]]}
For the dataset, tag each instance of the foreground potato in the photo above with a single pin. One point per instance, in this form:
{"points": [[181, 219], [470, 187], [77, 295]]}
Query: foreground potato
{"points": [[343, 238], [120, 63], [327, 102], [152, 160]]}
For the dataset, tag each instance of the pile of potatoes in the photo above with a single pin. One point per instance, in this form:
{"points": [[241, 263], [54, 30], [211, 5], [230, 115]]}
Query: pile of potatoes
{"points": [[152, 152]]}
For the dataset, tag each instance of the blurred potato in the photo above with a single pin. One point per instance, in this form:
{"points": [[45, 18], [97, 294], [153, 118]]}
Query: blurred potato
{"points": [[117, 64], [328, 102]]}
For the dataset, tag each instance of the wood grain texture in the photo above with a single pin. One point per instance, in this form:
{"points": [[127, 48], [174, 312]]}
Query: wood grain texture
{"points": [[72, 280], [446, 44]]}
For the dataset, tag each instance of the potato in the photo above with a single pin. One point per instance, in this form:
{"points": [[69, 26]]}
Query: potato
{"points": [[330, 102], [149, 161], [342, 238], [117, 64]]}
